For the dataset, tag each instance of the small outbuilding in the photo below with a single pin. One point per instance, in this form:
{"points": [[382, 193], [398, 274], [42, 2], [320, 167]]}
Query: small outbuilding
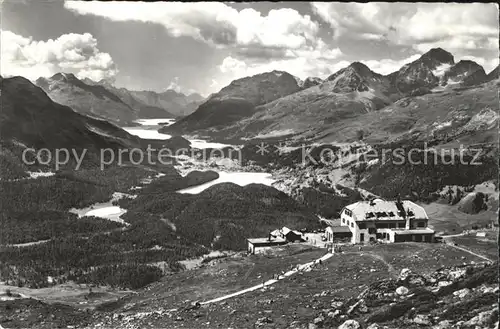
{"points": [[256, 243], [291, 235], [288, 234], [337, 232]]}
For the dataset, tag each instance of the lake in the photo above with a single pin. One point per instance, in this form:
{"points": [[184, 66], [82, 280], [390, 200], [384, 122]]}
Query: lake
{"points": [[239, 178], [104, 209], [149, 130]]}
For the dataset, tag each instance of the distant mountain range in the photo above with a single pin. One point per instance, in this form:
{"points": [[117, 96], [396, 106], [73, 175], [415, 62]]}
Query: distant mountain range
{"points": [[93, 100], [353, 103], [174, 103], [278, 104], [118, 105], [30, 119]]}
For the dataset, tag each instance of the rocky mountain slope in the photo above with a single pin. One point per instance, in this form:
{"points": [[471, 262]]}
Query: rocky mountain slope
{"points": [[358, 77], [259, 89], [466, 72], [419, 76], [493, 75], [29, 118], [355, 103], [238, 100], [311, 81], [468, 114], [93, 100], [381, 287]]}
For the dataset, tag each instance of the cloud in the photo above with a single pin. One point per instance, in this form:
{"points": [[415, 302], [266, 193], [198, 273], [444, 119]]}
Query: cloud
{"points": [[211, 22], [462, 29], [174, 85], [453, 26], [284, 39], [410, 23], [73, 53], [301, 67], [319, 60], [214, 85]]}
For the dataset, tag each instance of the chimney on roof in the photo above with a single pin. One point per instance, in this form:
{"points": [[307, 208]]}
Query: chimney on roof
{"points": [[269, 237], [408, 215], [402, 212], [372, 202]]}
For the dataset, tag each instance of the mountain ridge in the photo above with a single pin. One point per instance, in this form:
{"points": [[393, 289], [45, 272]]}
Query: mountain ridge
{"points": [[96, 100], [352, 91], [31, 119]]}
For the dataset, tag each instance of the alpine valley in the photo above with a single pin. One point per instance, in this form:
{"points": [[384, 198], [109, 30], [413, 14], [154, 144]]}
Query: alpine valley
{"points": [[135, 244]]}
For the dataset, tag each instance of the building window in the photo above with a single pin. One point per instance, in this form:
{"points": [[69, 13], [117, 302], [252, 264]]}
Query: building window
{"points": [[401, 225], [392, 225], [372, 230], [362, 226], [421, 224], [343, 220], [352, 224], [348, 212]]}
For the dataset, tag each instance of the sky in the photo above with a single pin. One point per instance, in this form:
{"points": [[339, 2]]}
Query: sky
{"points": [[201, 47]]}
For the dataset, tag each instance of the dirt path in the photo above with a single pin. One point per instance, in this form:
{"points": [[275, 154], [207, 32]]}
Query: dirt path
{"points": [[269, 282], [472, 253], [392, 271], [450, 243]]}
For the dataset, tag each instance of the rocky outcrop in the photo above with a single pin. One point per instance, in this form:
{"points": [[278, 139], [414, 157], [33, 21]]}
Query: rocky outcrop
{"points": [[259, 89], [466, 73], [473, 203], [358, 77], [459, 303], [420, 73], [310, 82]]}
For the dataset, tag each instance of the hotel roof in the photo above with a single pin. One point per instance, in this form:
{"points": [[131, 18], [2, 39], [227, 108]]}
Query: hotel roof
{"points": [[379, 209]]}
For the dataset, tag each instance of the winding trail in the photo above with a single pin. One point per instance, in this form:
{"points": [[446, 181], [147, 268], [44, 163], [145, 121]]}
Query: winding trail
{"points": [[269, 282], [450, 243], [392, 272], [472, 253]]}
